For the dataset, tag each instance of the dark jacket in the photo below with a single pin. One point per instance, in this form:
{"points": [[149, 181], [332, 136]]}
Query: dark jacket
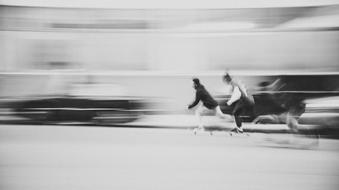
{"points": [[205, 97]]}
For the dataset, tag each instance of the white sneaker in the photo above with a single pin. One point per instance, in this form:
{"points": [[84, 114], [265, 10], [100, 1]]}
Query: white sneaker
{"points": [[237, 130]]}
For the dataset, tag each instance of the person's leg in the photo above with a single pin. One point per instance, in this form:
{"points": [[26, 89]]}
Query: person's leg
{"points": [[198, 114], [220, 114], [237, 117], [238, 108]]}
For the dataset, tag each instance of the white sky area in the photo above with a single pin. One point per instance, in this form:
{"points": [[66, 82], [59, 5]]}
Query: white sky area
{"points": [[177, 4]]}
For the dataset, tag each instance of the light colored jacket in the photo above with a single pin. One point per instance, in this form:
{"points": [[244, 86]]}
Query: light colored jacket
{"points": [[238, 90]]}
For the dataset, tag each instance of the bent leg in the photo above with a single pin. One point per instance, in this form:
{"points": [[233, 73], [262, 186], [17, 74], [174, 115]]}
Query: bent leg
{"points": [[220, 114]]}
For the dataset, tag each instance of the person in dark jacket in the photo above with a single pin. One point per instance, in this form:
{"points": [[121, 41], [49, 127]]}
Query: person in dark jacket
{"points": [[208, 103], [240, 100]]}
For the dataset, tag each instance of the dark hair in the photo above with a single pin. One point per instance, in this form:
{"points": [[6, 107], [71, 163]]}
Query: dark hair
{"points": [[196, 81], [227, 77]]}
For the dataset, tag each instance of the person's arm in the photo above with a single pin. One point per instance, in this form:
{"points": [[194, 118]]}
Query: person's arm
{"points": [[236, 94], [196, 101]]}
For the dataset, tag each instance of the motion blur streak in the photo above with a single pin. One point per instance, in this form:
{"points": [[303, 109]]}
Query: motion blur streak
{"points": [[96, 96]]}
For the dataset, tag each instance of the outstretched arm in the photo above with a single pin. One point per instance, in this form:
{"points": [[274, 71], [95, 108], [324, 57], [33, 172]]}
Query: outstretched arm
{"points": [[196, 101]]}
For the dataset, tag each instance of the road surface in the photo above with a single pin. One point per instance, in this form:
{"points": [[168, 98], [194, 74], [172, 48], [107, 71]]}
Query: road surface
{"points": [[80, 158]]}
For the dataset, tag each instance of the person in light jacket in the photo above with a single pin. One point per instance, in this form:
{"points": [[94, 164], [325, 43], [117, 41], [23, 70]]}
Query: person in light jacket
{"points": [[240, 100]]}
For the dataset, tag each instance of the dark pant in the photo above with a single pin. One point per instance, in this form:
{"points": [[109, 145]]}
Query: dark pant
{"points": [[239, 108], [237, 111]]}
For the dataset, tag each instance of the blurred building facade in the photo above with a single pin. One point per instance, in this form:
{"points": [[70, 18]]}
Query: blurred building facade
{"points": [[150, 50], [38, 38]]}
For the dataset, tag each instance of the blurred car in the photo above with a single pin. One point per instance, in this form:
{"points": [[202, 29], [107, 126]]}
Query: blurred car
{"points": [[95, 103]]}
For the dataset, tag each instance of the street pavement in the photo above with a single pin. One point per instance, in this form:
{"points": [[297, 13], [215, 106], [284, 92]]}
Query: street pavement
{"points": [[53, 157]]}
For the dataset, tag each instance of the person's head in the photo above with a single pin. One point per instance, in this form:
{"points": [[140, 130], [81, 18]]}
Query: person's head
{"points": [[227, 78], [196, 83]]}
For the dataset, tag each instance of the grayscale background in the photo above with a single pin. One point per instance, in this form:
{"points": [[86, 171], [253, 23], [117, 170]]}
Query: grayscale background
{"points": [[94, 94]]}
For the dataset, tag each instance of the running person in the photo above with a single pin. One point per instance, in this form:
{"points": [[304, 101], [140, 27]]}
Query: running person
{"points": [[208, 103], [240, 101]]}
